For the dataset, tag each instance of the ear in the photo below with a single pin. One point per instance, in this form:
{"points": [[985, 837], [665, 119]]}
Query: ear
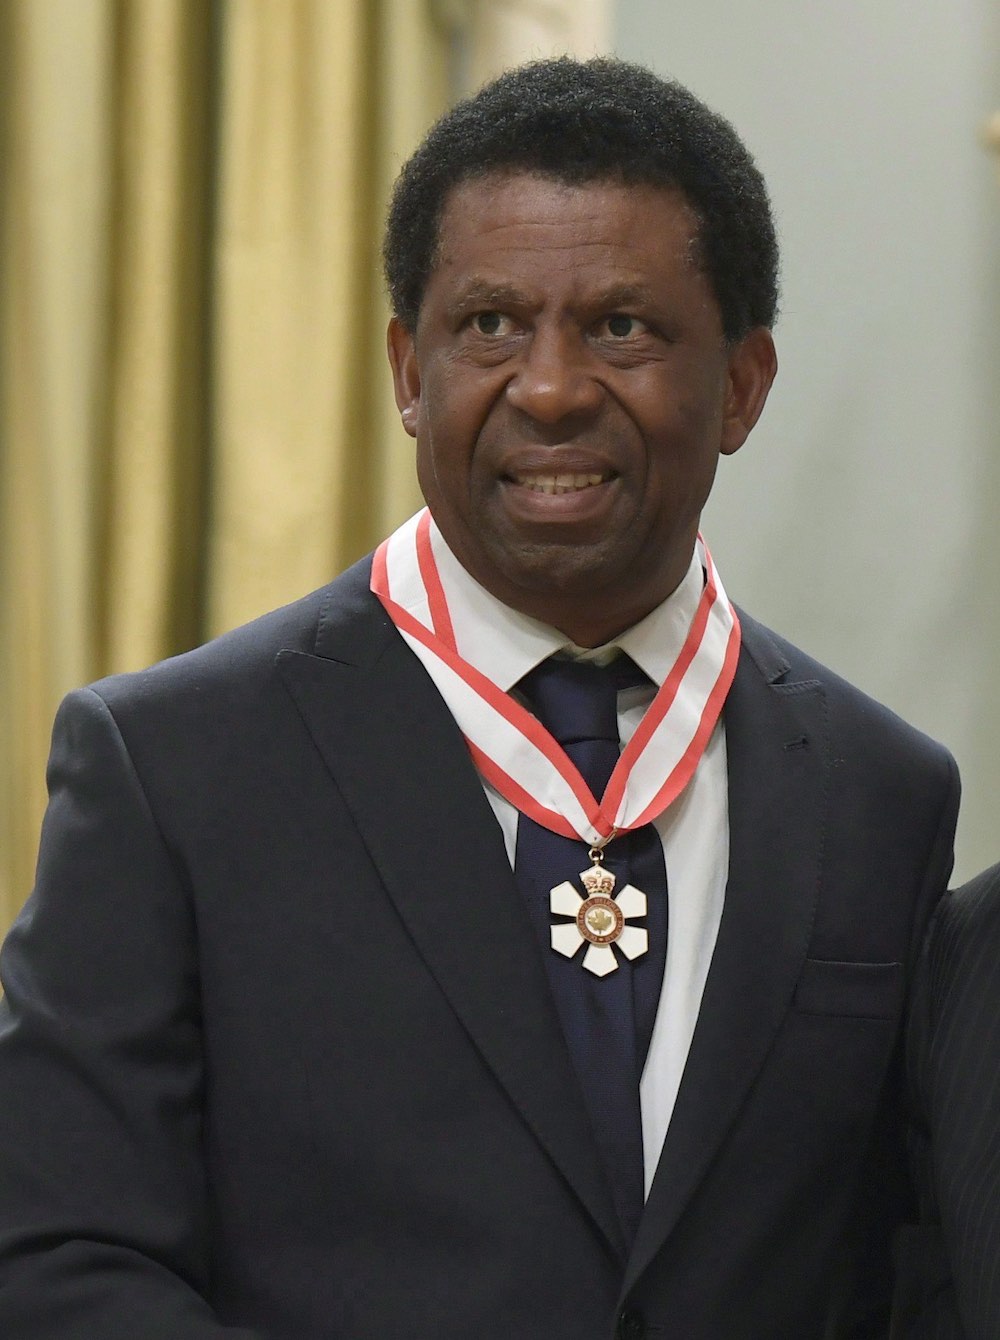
{"points": [[405, 373], [752, 367]]}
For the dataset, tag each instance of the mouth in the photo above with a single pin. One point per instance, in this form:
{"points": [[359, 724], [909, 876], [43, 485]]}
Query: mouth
{"points": [[552, 484], [578, 499]]}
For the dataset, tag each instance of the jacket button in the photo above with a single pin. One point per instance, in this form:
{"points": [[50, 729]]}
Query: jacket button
{"points": [[630, 1325]]}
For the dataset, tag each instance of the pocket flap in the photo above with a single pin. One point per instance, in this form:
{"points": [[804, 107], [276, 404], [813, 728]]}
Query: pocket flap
{"points": [[861, 990]]}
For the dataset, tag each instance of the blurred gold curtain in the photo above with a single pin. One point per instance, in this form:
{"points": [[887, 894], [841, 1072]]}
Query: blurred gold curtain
{"points": [[195, 420]]}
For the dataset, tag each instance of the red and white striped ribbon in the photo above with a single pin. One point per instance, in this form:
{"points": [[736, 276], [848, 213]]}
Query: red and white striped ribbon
{"points": [[510, 747]]}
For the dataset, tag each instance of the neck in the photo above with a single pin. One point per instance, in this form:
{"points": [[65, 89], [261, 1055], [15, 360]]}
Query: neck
{"points": [[590, 622], [570, 589]]}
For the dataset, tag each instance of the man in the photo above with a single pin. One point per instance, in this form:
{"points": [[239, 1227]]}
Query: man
{"points": [[353, 934], [954, 1053]]}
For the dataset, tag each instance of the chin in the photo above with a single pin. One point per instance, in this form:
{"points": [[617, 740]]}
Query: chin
{"points": [[573, 572]]}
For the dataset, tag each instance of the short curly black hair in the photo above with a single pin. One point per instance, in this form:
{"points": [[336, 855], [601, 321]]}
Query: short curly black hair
{"points": [[585, 121]]}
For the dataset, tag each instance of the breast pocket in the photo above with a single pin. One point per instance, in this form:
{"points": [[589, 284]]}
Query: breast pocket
{"points": [[851, 990]]}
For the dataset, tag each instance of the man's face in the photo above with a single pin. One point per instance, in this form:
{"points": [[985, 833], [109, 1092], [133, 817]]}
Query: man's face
{"points": [[570, 392]]}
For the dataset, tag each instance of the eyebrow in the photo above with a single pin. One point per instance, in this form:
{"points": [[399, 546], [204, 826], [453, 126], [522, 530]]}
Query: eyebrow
{"points": [[484, 293], [624, 295]]}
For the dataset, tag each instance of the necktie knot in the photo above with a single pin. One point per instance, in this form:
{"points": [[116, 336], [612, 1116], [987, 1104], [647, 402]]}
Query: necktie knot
{"points": [[578, 700]]}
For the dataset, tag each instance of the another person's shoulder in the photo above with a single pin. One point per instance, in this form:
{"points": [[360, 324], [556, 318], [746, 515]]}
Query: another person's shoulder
{"points": [[954, 1039], [966, 939], [959, 1027]]}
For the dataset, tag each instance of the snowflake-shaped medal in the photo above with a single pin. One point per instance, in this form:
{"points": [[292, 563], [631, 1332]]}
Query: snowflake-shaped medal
{"points": [[599, 919]]}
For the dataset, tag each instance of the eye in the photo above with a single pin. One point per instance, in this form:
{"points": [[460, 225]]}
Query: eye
{"points": [[620, 326], [490, 323]]}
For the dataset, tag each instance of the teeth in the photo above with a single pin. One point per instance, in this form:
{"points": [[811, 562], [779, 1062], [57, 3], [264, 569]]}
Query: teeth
{"points": [[559, 483]]}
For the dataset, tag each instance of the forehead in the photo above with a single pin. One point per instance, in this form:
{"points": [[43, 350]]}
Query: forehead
{"points": [[597, 232]]}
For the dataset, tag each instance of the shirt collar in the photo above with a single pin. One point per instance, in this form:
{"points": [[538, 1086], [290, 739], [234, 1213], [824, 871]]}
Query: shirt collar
{"points": [[504, 644]]}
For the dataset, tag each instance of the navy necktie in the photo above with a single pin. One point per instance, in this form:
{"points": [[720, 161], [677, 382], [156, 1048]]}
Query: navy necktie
{"points": [[607, 1021]]}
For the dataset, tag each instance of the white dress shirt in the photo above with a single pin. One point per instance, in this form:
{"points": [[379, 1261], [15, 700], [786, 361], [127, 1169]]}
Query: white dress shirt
{"points": [[504, 645]]}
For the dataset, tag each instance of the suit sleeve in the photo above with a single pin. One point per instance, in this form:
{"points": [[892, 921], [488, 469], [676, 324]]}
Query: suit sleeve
{"points": [[954, 1051], [955, 1061], [104, 1218]]}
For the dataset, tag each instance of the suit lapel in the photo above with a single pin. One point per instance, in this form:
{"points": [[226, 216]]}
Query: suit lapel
{"points": [[404, 771], [779, 760], [380, 724]]}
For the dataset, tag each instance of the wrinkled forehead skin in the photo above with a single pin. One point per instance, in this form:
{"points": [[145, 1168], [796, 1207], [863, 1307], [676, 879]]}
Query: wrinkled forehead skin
{"points": [[508, 178]]}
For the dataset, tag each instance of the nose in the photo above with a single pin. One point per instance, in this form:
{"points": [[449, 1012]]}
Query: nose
{"points": [[554, 379]]}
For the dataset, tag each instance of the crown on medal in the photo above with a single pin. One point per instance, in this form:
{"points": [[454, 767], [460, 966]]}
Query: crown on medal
{"points": [[598, 882]]}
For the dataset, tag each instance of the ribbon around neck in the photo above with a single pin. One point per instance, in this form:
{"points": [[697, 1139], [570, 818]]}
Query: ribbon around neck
{"points": [[514, 752]]}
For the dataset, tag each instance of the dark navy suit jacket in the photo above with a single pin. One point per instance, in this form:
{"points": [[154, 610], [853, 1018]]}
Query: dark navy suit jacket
{"points": [[954, 1050], [278, 1058]]}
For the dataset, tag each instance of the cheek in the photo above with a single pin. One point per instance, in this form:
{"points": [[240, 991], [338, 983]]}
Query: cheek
{"points": [[424, 464], [446, 414], [698, 401], [682, 466], [443, 464], [690, 429]]}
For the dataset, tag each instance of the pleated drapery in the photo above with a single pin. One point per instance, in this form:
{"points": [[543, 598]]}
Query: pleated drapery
{"points": [[196, 417], [195, 424]]}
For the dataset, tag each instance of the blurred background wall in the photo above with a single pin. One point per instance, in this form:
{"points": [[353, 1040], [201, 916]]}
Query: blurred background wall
{"points": [[195, 420], [861, 517]]}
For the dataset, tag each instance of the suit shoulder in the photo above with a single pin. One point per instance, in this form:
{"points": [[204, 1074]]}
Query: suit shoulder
{"points": [[235, 662], [851, 708]]}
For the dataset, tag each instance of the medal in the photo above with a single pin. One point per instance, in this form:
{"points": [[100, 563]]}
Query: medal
{"points": [[599, 919], [517, 756]]}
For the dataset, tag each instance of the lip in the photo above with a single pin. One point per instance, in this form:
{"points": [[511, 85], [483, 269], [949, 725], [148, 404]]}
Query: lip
{"points": [[553, 496], [553, 483], [574, 466]]}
